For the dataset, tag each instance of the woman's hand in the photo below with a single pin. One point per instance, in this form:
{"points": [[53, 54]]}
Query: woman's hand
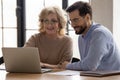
{"points": [[59, 66], [42, 64], [48, 65]]}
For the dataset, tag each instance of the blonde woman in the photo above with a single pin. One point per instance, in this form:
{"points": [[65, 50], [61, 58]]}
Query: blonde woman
{"points": [[54, 46]]}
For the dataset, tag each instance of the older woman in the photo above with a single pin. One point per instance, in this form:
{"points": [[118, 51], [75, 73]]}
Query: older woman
{"points": [[54, 46]]}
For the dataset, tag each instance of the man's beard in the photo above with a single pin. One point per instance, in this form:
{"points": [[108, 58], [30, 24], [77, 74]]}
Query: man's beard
{"points": [[81, 29]]}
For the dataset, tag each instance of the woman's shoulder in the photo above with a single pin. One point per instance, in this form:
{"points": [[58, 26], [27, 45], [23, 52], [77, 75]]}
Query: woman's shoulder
{"points": [[37, 34], [67, 38]]}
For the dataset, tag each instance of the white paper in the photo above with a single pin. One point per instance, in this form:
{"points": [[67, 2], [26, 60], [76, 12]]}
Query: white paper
{"points": [[66, 73], [2, 66]]}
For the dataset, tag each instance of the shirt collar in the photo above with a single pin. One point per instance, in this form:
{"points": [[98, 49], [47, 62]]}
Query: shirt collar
{"points": [[89, 30]]}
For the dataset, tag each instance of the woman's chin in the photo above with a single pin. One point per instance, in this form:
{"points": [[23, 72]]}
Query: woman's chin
{"points": [[51, 33]]}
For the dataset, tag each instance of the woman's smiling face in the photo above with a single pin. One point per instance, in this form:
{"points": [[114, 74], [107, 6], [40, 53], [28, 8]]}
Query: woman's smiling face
{"points": [[51, 24]]}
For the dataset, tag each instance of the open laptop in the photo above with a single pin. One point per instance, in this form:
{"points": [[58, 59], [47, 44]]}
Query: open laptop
{"points": [[22, 60]]}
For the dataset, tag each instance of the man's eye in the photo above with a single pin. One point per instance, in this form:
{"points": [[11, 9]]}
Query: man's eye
{"points": [[75, 20]]}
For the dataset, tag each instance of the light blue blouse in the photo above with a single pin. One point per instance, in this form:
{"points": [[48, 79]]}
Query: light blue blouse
{"points": [[98, 51]]}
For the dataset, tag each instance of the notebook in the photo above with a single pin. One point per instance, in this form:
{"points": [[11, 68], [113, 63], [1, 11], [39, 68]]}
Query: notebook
{"points": [[99, 73], [22, 60]]}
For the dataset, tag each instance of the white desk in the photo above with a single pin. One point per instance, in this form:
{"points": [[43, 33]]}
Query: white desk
{"points": [[47, 76]]}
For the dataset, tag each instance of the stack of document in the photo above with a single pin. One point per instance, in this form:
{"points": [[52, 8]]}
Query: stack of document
{"points": [[99, 73]]}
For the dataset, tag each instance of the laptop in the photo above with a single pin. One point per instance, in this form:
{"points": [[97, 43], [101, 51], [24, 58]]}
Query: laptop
{"points": [[22, 60]]}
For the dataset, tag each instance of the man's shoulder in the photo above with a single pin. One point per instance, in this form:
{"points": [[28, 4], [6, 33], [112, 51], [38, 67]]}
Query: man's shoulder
{"points": [[99, 28]]}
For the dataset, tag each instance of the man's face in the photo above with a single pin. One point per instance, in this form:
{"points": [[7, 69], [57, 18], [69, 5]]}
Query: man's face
{"points": [[78, 23]]}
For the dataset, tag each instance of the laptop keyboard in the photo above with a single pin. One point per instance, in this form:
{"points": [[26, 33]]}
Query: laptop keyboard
{"points": [[46, 70]]}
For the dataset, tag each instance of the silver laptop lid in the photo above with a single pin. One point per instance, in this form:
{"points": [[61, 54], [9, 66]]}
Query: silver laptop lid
{"points": [[22, 59]]}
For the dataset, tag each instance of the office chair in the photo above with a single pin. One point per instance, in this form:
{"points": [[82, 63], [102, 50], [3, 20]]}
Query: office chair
{"points": [[1, 60], [74, 59]]}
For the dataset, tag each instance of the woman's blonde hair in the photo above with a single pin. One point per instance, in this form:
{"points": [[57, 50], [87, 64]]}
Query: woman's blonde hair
{"points": [[60, 15]]}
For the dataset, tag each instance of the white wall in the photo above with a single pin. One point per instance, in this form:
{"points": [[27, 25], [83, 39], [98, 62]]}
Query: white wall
{"points": [[107, 13], [116, 21], [103, 12]]}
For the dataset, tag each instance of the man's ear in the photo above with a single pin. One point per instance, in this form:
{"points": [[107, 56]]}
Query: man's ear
{"points": [[87, 17]]}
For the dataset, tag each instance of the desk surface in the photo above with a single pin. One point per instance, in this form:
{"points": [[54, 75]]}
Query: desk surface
{"points": [[48, 76]]}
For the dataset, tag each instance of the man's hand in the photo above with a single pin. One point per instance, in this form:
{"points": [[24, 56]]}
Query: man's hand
{"points": [[63, 66]]}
